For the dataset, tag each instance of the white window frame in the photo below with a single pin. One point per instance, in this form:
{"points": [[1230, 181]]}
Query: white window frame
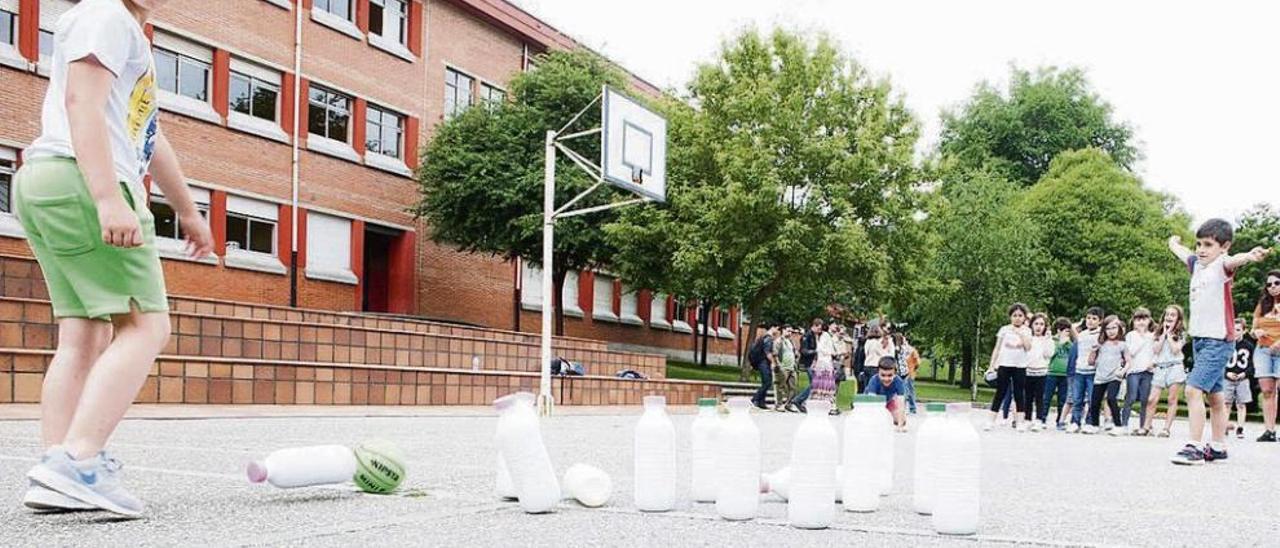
{"points": [[569, 294], [486, 92], [606, 314], [50, 11], [316, 230], [632, 298], [659, 304], [531, 286], [324, 144], [260, 211], [726, 317], [678, 323], [346, 26], [174, 248], [9, 225], [247, 123], [181, 48], [382, 111], [470, 94], [283, 4], [9, 54], [392, 45], [384, 162]]}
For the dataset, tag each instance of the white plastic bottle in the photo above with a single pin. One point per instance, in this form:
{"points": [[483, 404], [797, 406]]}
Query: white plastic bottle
{"points": [[957, 496], [503, 486], [305, 466], [520, 441], [924, 470], [702, 434], [779, 482], [862, 445], [738, 446], [814, 454], [655, 458], [589, 485], [884, 449]]}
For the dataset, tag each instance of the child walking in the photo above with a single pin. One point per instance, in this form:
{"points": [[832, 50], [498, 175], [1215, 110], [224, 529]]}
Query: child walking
{"points": [[1082, 382], [1140, 347], [1009, 362], [1266, 358], [1061, 367], [1042, 350], [81, 201], [1108, 360], [1212, 324], [1170, 372], [1237, 389]]}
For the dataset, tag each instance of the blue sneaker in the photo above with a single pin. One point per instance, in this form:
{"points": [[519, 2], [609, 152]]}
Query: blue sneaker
{"points": [[93, 481], [45, 500]]}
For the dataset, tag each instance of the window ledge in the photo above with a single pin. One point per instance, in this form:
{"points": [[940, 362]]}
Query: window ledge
{"points": [[284, 4], [659, 324], [570, 312], [256, 126], [631, 319], [387, 163], [10, 57], [170, 248], [331, 275], [681, 327], [604, 316], [330, 147], [390, 46], [531, 306], [252, 260], [573, 312], [336, 23], [187, 106], [724, 333], [10, 227]]}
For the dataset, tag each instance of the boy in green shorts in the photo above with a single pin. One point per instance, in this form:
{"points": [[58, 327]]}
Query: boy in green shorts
{"points": [[81, 201]]}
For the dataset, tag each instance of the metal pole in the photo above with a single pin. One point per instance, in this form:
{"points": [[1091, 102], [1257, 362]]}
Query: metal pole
{"points": [[297, 140], [545, 399]]}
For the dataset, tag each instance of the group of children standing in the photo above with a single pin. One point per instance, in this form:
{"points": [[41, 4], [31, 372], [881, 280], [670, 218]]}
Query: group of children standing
{"points": [[1083, 365]]}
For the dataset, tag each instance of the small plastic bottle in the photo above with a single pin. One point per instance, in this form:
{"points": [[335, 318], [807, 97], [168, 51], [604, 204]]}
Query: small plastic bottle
{"points": [[703, 433], [862, 444], [520, 440], [957, 498], [655, 458], [926, 458], [305, 466], [814, 453], [738, 445]]}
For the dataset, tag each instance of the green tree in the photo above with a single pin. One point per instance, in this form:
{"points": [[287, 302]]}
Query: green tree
{"points": [[1043, 114], [985, 255], [788, 179], [1105, 234], [1258, 227], [481, 179]]}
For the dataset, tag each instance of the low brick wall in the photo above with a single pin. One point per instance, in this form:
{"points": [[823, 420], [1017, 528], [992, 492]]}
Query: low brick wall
{"points": [[225, 381]]}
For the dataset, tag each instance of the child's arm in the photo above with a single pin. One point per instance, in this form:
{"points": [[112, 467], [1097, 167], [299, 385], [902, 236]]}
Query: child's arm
{"points": [[995, 351], [1093, 355], [1255, 255], [87, 88], [1175, 245], [168, 174]]}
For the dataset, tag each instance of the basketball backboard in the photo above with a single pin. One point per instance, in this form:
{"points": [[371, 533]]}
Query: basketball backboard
{"points": [[633, 146]]}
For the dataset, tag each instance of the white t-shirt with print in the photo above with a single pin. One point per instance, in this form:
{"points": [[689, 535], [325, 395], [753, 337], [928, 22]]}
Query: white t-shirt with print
{"points": [[1009, 341], [107, 31], [1142, 346], [1212, 313], [1086, 341]]}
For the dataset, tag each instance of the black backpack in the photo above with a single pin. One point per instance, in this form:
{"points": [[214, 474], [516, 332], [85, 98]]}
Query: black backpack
{"points": [[757, 353]]}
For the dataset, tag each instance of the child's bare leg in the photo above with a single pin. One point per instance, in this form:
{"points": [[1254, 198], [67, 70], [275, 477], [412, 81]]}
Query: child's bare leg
{"points": [[1218, 416], [1195, 414], [1064, 410], [1172, 412], [115, 379], [80, 342], [1152, 401], [1268, 393], [1240, 415]]}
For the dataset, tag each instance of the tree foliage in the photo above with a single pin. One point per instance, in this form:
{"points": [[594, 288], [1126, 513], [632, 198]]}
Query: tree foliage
{"points": [[1258, 227], [790, 173], [481, 176], [1106, 235], [1043, 114]]}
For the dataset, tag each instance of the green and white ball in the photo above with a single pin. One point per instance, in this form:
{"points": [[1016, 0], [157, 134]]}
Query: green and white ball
{"points": [[379, 467]]}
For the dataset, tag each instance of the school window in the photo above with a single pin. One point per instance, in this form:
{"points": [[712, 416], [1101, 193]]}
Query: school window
{"points": [[658, 309], [340, 8], [167, 225], [492, 96], [383, 131], [602, 299], [724, 319], [8, 164], [182, 74], [390, 19], [251, 225], [569, 294], [530, 285], [681, 313], [8, 28], [329, 248], [329, 114], [46, 44], [458, 88], [254, 94]]}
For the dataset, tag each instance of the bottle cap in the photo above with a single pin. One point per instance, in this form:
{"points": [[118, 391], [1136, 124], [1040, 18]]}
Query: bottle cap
{"points": [[257, 472], [868, 399], [707, 402], [655, 401], [509, 400], [958, 407], [935, 407]]}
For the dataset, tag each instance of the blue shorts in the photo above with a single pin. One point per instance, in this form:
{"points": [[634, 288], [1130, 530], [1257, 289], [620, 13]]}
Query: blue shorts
{"points": [[1211, 357]]}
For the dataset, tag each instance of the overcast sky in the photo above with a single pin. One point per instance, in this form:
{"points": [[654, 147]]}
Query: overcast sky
{"points": [[1199, 81]]}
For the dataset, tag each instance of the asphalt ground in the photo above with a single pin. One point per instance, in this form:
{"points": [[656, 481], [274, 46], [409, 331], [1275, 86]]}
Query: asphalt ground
{"points": [[1044, 488]]}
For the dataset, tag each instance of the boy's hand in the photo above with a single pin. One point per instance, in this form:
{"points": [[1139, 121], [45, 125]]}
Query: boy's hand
{"points": [[1175, 240], [120, 226], [1275, 348], [1257, 254], [199, 238]]}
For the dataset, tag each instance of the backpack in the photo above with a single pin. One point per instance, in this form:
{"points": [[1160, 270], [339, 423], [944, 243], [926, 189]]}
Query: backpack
{"points": [[757, 353]]}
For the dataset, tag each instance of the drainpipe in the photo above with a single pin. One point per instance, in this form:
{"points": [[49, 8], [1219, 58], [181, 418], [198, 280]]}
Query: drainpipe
{"points": [[297, 110]]}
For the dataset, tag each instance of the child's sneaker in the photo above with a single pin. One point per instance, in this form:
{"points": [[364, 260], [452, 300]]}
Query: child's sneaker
{"points": [[1073, 428], [43, 499], [1023, 427], [1240, 432], [1268, 436], [1117, 432], [93, 481], [1189, 455], [1089, 429], [1037, 426], [1062, 427], [1211, 454], [1164, 433]]}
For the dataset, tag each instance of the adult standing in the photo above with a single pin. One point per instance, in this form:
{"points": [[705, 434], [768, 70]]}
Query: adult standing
{"points": [[808, 354], [1266, 357], [784, 374], [762, 359]]}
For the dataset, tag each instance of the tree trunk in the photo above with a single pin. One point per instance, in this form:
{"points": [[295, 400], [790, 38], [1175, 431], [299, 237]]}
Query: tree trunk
{"points": [[951, 370], [706, 332], [966, 361], [748, 339], [557, 280]]}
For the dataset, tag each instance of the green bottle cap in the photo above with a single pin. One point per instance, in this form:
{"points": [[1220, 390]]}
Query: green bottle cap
{"points": [[868, 399], [936, 407], [707, 402]]}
